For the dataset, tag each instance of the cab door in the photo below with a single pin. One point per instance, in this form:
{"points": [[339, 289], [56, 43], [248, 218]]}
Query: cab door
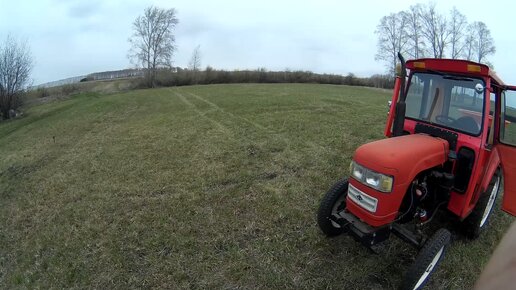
{"points": [[506, 146]]}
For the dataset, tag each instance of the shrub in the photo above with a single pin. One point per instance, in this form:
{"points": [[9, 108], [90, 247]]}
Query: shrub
{"points": [[69, 89], [42, 92]]}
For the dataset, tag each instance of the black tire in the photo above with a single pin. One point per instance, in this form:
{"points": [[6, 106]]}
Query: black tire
{"points": [[476, 222], [427, 260], [333, 201]]}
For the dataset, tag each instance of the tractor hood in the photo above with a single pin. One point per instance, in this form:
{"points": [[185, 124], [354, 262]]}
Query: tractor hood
{"points": [[403, 157]]}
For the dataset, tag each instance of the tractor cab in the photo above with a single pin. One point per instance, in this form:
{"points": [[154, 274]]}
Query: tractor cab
{"points": [[468, 105], [451, 140]]}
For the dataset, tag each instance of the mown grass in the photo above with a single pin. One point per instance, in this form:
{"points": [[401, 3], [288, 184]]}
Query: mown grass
{"points": [[197, 187]]}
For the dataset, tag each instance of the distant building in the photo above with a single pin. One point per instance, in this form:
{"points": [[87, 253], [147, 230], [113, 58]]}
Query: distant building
{"points": [[117, 74]]}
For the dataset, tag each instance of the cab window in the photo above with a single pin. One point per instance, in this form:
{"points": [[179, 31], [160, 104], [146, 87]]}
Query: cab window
{"points": [[451, 101], [508, 122]]}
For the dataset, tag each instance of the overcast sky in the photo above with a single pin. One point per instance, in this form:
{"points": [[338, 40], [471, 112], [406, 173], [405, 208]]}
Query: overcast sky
{"points": [[76, 37]]}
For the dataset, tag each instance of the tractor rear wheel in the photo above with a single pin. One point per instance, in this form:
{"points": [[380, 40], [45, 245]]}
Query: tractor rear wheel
{"points": [[333, 202], [426, 261], [479, 217]]}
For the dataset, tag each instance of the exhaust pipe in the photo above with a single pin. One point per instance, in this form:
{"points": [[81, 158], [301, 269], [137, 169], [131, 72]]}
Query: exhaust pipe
{"points": [[401, 106]]}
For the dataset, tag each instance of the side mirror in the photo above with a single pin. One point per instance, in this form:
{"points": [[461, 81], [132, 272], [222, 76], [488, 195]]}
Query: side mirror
{"points": [[479, 88]]}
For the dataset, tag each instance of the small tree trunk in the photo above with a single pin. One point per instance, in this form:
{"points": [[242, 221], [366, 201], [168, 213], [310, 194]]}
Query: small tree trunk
{"points": [[5, 112]]}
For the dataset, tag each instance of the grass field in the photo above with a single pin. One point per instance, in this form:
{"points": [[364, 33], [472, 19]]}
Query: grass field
{"points": [[197, 187]]}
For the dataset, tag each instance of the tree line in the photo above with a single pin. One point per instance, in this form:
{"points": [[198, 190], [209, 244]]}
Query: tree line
{"points": [[421, 31], [153, 44], [185, 77]]}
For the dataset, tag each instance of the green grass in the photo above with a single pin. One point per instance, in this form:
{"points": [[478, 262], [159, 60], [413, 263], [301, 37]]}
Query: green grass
{"points": [[197, 187]]}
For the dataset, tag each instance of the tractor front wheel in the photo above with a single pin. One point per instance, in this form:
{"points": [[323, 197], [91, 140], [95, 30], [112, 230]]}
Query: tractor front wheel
{"points": [[333, 202], [426, 261], [479, 217]]}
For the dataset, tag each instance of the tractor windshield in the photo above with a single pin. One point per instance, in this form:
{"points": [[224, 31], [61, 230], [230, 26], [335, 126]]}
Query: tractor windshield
{"points": [[452, 101]]}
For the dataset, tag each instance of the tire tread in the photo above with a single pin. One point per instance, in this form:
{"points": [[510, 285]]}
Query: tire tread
{"points": [[426, 255], [326, 207]]}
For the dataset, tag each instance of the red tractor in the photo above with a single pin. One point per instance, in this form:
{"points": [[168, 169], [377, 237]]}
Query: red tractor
{"points": [[451, 132]]}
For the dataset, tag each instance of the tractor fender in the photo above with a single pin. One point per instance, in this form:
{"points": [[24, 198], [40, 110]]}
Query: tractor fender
{"points": [[492, 165]]}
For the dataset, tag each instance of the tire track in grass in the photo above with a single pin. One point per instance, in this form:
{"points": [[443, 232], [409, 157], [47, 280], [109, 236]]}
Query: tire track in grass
{"points": [[264, 129], [216, 107], [202, 114], [95, 132]]}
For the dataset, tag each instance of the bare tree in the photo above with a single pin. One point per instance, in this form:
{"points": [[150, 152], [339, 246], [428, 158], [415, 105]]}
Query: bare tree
{"points": [[469, 46], [416, 42], [435, 31], [392, 38], [458, 24], [484, 43], [15, 67], [195, 61], [152, 42], [422, 30]]}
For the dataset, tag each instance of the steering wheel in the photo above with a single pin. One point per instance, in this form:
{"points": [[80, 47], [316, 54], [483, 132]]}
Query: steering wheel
{"points": [[445, 119]]}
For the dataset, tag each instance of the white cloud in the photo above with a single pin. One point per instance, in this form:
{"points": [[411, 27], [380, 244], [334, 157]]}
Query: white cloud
{"points": [[70, 38]]}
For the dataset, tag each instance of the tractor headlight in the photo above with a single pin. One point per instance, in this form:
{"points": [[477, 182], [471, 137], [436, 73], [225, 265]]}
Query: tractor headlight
{"points": [[357, 171], [371, 178]]}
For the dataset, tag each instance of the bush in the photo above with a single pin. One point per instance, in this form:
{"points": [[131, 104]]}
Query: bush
{"points": [[42, 92], [69, 89]]}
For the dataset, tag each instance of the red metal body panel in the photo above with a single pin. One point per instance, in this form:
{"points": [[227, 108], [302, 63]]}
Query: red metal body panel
{"points": [[508, 158], [492, 165], [401, 157], [452, 66]]}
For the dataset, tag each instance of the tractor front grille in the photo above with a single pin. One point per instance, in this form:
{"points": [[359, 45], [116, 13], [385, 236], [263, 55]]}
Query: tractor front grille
{"points": [[359, 197]]}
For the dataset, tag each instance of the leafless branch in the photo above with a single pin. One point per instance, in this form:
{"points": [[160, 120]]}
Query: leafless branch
{"points": [[392, 38]]}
